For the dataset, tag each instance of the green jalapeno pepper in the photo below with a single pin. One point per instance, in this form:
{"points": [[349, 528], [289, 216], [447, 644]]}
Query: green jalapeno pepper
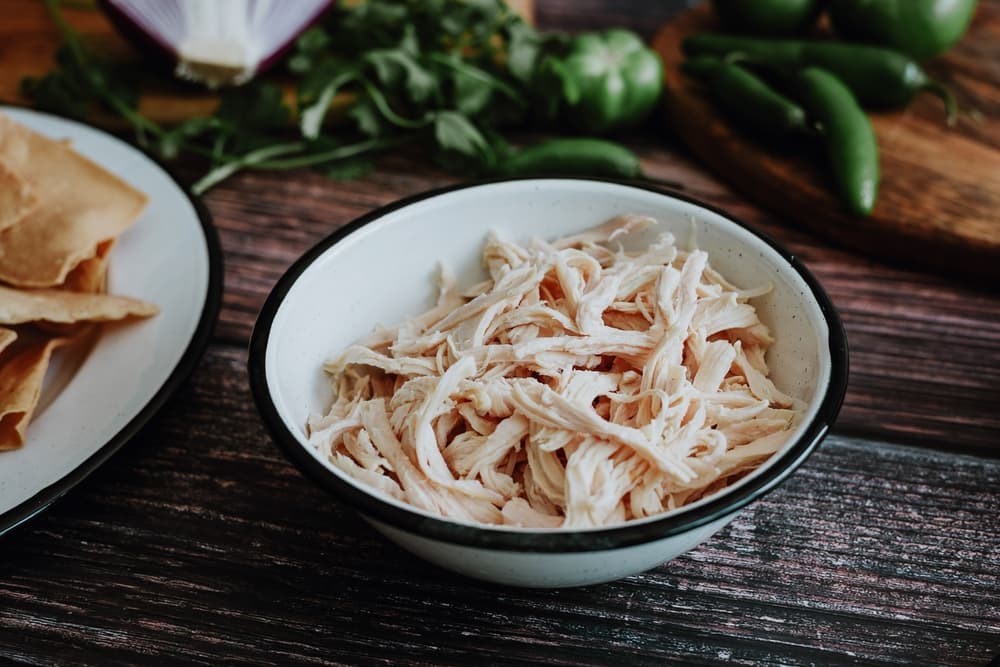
{"points": [[850, 140], [746, 98], [573, 156], [878, 77]]}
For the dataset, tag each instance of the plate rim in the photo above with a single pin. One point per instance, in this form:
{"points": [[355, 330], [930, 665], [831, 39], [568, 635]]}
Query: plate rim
{"points": [[31, 507]]}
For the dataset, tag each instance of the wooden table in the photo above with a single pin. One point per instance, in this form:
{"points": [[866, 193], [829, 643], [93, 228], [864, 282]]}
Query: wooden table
{"points": [[200, 542]]}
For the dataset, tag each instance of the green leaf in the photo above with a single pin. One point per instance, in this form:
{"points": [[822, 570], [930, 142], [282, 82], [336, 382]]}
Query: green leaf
{"points": [[553, 76], [172, 141], [500, 147], [123, 84], [522, 50], [349, 169], [394, 67], [452, 25], [420, 84], [387, 70], [455, 132], [472, 93], [310, 50], [368, 118], [80, 82], [257, 106], [300, 64], [409, 44], [250, 117], [468, 82], [311, 116], [488, 9], [88, 78], [322, 71], [312, 41], [56, 93]]}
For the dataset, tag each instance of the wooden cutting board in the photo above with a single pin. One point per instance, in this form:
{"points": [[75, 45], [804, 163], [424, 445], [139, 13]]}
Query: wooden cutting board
{"points": [[29, 40], [939, 203]]}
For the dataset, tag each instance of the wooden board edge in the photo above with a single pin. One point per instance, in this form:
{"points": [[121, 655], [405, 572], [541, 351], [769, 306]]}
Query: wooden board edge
{"points": [[919, 250]]}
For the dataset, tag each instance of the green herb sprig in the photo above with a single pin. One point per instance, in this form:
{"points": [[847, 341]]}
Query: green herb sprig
{"points": [[449, 74]]}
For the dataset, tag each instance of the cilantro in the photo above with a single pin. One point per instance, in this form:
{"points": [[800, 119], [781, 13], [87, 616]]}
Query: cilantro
{"points": [[59, 92], [523, 49], [312, 114], [454, 132], [447, 74], [171, 143], [472, 93], [367, 117], [394, 68]]}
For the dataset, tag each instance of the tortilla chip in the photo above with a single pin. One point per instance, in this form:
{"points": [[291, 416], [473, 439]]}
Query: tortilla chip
{"points": [[7, 336], [79, 205], [17, 198], [21, 306], [22, 371], [88, 276]]}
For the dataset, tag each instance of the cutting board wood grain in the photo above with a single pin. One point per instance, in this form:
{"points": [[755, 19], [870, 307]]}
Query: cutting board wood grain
{"points": [[939, 203], [29, 41]]}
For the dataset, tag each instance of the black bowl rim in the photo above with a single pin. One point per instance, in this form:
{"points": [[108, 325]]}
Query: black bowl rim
{"points": [[542, 541]]}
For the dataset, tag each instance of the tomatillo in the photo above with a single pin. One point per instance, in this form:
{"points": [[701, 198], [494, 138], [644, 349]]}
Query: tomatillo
{"points": [[611, 80], [919, 28]]}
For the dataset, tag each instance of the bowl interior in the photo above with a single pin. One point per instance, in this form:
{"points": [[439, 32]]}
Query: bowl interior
{"points": [[385, 271]]}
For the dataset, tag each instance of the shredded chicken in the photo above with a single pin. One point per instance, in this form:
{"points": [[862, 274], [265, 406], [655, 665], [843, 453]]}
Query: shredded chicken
{"points": [[580, 385]]}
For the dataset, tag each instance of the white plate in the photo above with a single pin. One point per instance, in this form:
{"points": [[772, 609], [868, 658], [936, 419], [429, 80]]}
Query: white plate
{"points": [[98, 395]]}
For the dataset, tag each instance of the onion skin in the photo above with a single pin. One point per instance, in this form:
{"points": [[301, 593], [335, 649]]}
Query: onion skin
{"points": [[164, 56], [271, 60]]}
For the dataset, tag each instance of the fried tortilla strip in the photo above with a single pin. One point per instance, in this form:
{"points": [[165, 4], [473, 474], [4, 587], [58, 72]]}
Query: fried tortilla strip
{"points": [[21, 306], [22, 371], [79, 205], [7, 336], [17, 198], [88, 276]]}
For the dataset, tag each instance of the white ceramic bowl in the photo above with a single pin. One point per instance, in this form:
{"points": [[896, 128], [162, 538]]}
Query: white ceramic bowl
{"points": [[381, 269]]}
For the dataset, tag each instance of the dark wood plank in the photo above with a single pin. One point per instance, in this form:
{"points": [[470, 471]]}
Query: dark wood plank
{"points": [[200, 542], [642, 16]]}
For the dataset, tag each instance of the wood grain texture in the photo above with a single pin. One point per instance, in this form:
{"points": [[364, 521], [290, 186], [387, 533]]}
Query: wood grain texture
{"points": [[939, 201], [201, 542], [571, 16], [198, 543], [902, 387]]}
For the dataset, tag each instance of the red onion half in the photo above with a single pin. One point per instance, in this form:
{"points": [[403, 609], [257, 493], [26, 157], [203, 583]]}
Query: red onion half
{"points": [[216, 42]]}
